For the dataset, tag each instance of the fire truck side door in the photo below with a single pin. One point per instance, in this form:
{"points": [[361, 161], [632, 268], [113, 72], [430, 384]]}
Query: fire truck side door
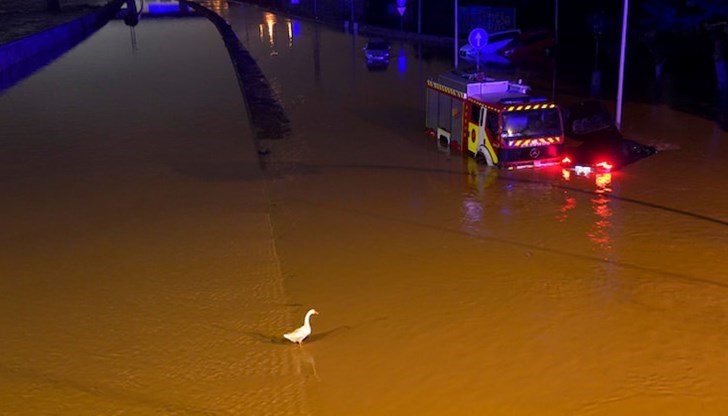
{"points": [[484, 145], [475, 128]]}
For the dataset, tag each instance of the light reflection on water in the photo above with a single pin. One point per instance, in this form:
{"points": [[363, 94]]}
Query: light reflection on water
{"points": [[600, 234], [218, 6], [402, 60], [564, 210], [267, 30], [531, 207], [479, 179]]}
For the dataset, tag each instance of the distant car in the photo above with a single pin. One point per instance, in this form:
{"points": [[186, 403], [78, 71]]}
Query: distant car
{"points": [[496, 41], [529, 45], [377, 51], [594, 143]]}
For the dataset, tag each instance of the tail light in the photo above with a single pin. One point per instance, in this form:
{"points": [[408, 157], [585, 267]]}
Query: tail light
{"points": [[605, 165]]}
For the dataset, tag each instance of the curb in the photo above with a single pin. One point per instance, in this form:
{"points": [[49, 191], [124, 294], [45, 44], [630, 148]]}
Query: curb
{"points": [[266, 114]]}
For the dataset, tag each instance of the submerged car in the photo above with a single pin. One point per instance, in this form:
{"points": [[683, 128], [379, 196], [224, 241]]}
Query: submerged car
{"points": [[595, 144], [532, 45], [377, 51], [496, 41]]}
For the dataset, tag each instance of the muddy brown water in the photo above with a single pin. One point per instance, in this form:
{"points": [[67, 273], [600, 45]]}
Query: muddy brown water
{"points": [[152, 267]]}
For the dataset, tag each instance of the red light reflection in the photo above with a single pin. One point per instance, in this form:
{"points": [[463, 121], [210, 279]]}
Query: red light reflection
{"points": [[603, 182], [600, 232], [570, 203]]}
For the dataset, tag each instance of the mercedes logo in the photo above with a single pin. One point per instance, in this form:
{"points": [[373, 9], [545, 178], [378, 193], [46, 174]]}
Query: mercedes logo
{"points": [[534, 152]]}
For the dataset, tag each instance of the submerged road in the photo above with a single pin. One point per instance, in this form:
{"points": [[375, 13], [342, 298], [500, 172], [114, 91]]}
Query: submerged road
{"points": [[137, 248], [150, 265]]}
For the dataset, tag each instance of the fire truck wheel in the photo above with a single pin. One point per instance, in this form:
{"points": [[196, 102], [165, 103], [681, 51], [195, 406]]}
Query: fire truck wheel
{"points": [[480, 158]]}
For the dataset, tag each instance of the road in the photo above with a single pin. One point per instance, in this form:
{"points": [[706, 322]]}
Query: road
{"points": [[151, 267]]}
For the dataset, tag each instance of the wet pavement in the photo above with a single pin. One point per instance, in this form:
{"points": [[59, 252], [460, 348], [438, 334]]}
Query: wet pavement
{"points": [[152, 267]]}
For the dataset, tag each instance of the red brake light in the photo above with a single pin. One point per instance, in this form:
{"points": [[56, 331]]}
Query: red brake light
{"points": [[604, 165]]}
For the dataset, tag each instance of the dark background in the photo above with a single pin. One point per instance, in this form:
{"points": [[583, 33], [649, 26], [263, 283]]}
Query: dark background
{"points": [[589, 36]]}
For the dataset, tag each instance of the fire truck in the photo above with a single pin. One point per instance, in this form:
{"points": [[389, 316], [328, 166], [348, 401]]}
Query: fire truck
{"points": [[496, 121]]}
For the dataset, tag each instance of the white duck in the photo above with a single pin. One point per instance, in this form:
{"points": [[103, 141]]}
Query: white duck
{"points": [[300, 333]]}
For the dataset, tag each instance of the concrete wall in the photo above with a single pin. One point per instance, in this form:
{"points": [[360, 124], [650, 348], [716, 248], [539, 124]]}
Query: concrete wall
{"points": [[58, 38]]}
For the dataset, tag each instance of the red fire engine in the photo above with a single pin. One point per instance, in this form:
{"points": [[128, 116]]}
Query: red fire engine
{"points": [[498, 122]]}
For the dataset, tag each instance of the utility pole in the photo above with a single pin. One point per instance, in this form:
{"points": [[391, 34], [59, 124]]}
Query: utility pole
{"points": [[620, 84], [556, 23], [456, 34], [419, 17]]}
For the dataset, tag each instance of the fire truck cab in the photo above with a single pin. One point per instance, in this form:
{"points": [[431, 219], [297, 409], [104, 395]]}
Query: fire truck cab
{"points": [[496, 121]]}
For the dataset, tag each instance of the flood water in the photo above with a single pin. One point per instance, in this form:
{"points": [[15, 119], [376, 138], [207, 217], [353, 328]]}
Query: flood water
{"points": [[149, 265]]}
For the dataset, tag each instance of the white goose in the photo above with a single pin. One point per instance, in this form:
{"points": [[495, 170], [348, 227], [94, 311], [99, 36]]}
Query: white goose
{"points": [[300, 333]]}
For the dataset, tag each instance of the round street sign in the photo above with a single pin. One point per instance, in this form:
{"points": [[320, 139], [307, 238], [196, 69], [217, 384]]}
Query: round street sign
{"points": [[478, 38]]}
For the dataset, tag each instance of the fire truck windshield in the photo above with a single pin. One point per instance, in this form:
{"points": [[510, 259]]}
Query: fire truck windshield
{"points": [[532, 123]]}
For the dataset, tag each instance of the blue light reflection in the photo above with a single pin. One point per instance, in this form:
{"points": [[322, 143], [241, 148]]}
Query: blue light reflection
{"points": [[402, 60]]}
